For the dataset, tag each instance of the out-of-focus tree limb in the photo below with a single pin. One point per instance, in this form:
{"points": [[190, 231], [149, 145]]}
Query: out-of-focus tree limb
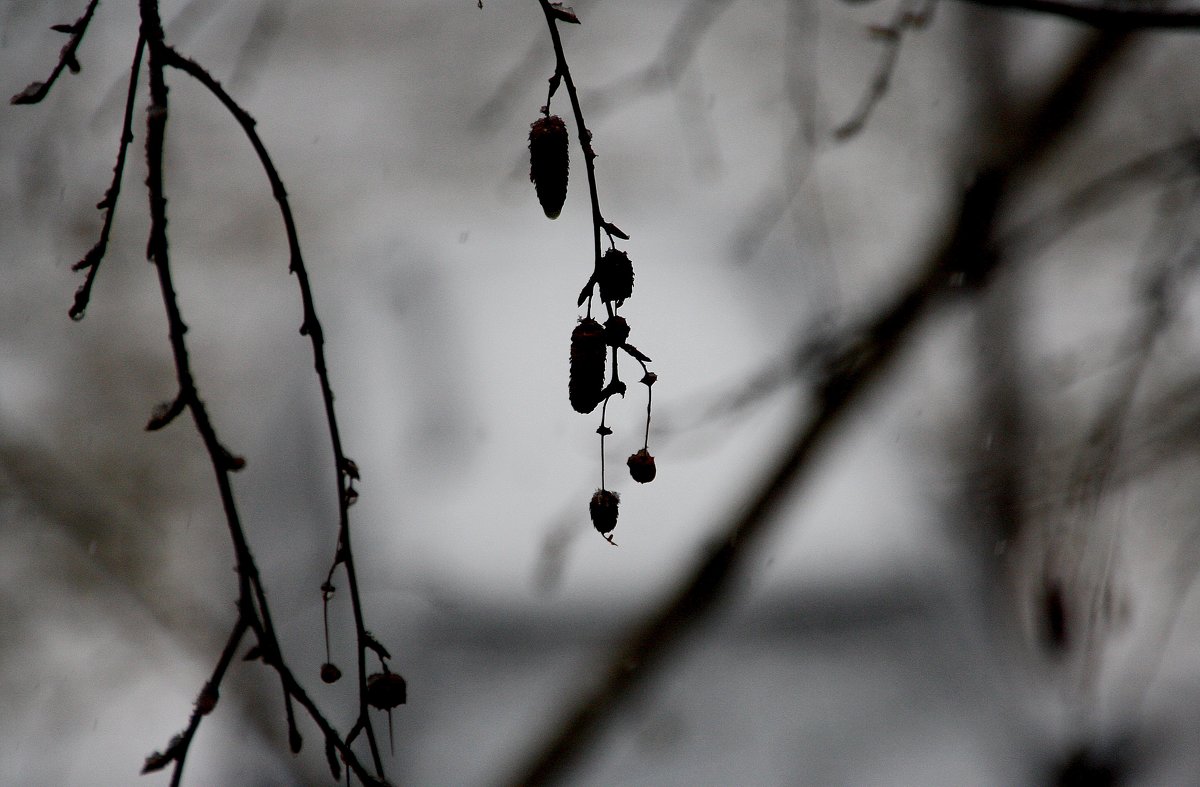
{"points": [[1125, 17], [861, 357]]}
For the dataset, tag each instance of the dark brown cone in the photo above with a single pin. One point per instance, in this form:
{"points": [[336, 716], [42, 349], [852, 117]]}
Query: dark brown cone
{"points": [[604, 510], [587, 366], [615, 276], [386, 690], [641, 467], [549, 161]]}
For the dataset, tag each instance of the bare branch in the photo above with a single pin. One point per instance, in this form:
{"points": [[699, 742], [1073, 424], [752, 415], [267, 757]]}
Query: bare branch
{"points": [[67, 58]]}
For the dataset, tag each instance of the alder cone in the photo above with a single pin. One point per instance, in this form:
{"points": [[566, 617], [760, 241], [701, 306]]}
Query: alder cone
{"points": [[615, 276], [548, 163], [603, 509], [586, 384], [641, 467], [386, 690]]}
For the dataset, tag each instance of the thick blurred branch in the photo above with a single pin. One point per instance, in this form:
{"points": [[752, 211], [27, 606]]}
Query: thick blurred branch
{"points": [[1116, 18], [860, 358]]}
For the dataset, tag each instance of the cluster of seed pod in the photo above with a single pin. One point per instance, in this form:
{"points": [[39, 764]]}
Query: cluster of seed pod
{"points": [[591, 341]]}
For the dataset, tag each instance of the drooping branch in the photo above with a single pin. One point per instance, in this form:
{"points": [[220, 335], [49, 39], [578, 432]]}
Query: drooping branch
{"points": [[612, 273], [345, 469], [562, 73], [253, 609]]}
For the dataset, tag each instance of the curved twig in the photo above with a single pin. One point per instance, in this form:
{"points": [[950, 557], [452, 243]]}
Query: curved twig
{"points": [[346, 470]]}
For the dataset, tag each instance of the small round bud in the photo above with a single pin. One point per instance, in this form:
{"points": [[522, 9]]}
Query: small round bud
{"points": [[616, 331], [330, 673], [604, 510], [641, 466], [386, 690], [549, 160]]}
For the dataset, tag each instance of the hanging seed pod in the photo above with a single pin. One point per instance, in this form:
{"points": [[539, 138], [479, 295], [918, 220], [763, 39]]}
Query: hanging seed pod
{"points": [[548, 162], [616, 331], [604, 510], [587, 366], [641, 467], [615, 276], [386, 690], [330, 673]]}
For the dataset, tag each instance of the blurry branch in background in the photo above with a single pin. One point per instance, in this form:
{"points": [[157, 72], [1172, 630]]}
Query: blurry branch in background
{"points": [[910, 15], [964, 260], [1106, 443], [667, 67], [385, 689], [1024, 240], [1116, 18]]}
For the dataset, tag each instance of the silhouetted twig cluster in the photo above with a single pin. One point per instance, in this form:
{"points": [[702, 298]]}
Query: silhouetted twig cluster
{"points": [[591, 342], [383, 689]]}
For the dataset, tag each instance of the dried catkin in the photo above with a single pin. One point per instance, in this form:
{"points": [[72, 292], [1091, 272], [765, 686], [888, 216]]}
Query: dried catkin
{"points": [[549, 161], [587, 366]]}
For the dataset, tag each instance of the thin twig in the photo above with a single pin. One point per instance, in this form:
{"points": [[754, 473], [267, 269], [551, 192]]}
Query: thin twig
{"points": [[345, 469], [91, 260], [207, 700], [562, 71], [252, 602], [67, 58]]}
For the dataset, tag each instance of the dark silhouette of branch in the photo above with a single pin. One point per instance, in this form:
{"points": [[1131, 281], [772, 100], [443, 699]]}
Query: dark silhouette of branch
{"points": [[860, 358], [252, 603], [612, 272], [67, 57], [562, 74], [345, 468], [91, 260], [177, 751], [253, 612]]}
